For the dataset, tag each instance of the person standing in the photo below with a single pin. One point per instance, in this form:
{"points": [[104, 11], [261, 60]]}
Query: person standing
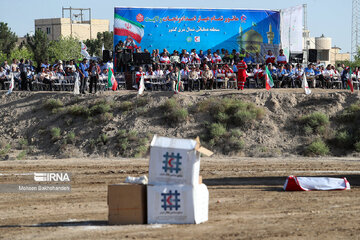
{"points": [[241, 66], [23, 72], [94, 75], [84, 75]]}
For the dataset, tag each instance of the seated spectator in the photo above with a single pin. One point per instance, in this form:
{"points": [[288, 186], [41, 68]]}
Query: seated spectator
{"points": [[328, 76], [248, 59], [158, 72], [270, 58], [6, 67], [194, 79], [14, 65], [155, 57], [29, 79], [258, 75], [226, 59], [258, 59], [175, 59], [216, 59], [16, 73], [281, 74], [289, 80], [281, 59], [299, 72], [2, 77], [138, 76], [45, 77], [45, 64], [185, 59], [164, 58], [310, 75], [194, 57], [208, 77], [228, 75]]}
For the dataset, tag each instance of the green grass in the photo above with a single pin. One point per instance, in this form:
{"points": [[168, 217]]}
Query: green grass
{"points": [[231, 111], [55, 133], [23, 143], [174, 113], [351, 113], [126, 106], [103, 138], [78, 110], [217, 130], [21, 155], [100, 107], [343, 139], [52, 103], [4, 151], [317, 148], [131, 144], [357, 146], [316, 122], [70, 137]]}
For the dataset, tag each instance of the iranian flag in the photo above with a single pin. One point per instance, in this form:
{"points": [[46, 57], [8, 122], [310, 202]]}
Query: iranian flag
{"points": [[126, 27], [178, 84], [269, 81], [112, 83], [349, 81]]}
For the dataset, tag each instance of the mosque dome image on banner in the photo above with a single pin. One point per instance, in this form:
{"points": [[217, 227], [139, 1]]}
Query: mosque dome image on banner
{"points": [[250, 40]]}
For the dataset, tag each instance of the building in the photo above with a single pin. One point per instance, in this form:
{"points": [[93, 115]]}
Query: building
{"points": [[325, 53], [56, 27], [335, 55]]}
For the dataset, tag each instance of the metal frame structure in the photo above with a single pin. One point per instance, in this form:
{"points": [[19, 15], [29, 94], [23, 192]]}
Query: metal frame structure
{"points": [[355, 28], [78, 13]]}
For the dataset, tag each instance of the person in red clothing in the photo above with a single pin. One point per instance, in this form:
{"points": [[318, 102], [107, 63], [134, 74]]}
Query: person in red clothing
{"points": [[138, 76], [281, 59], [241, 66], [270, 58]]}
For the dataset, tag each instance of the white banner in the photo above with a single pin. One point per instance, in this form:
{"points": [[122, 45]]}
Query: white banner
{"points": [[291, 29]]}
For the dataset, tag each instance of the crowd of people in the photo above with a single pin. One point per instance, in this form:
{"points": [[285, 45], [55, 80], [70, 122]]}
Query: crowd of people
{"points": [[194, 70], [211, 69], [26, 75]]}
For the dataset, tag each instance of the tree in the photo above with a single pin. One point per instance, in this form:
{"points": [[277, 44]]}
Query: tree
{"points": [[94, 45], [19, 53], [38, 45], [7, 39], [106, 38], [65, 48]]}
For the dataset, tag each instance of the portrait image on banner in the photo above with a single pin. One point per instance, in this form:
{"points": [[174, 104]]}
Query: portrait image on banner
{"points": [[177, 29]]}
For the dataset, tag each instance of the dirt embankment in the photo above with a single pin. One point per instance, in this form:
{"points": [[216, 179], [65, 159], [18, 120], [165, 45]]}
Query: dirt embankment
{"points": [[56, 124]]}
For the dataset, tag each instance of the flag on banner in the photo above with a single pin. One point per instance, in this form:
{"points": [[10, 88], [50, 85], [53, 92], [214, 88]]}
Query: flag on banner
{"points": [[269, 81], [305, 85], [178, 84], [141, 85], [112, 83], [11, 87], [349, 81], [84, 51], [126, 27]]}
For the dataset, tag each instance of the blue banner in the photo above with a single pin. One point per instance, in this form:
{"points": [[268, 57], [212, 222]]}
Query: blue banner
{"points": [[176, 29]]}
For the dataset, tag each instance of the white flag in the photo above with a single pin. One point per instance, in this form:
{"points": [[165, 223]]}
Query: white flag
{"points": [[84, 51], [77, 84], [141, 85], [305, 85], [102, 48], [11, 87]]}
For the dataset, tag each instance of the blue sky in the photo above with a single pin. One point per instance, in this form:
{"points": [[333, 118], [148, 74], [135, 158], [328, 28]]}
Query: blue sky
{"points": [[331, 18]]}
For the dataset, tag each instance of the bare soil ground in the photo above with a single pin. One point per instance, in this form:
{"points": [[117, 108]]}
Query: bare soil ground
{"points": [[246, 201]]}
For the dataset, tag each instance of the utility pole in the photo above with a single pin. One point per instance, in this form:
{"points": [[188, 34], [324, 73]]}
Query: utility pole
{"points": [[355, 28]]}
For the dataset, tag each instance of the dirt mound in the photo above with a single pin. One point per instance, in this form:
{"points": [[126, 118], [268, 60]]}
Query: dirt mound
{"points": [[58, 124]]}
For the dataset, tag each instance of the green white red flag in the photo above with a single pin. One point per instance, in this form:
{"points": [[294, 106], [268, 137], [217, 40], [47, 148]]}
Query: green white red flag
{"points": [[112, 83], [269, 81], [126, 27]]}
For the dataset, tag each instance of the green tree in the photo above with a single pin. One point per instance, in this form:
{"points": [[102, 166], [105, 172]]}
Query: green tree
{"points": [[7, 39], [94, 45], [106, 38], [19, 53], [38, 45], [65, 48]]}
